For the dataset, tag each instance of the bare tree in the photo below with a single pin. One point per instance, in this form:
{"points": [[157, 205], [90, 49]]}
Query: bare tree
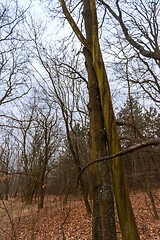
{"points": [[39, 135], [48, 123], [134, 41]]}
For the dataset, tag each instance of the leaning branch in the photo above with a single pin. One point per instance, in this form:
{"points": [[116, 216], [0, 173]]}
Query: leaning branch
{"points": [[73, 24], [151, 142]]}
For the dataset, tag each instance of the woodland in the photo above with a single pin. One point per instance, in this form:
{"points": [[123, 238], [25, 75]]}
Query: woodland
{"points": [[79, 119]]}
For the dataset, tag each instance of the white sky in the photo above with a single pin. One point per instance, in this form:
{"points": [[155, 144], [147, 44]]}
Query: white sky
{"points": [[54, 26]]}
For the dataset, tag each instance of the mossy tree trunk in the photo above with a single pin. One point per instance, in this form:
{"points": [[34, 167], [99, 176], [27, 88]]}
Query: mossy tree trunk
{"points": [[124, 208], [103, 226]]}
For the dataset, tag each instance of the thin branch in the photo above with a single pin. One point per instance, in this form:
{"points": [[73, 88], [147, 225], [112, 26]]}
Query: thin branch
{"points": [[151, 142], [17, 173]]}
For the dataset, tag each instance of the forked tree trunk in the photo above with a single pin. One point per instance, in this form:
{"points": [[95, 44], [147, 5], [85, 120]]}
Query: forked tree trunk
{"points": [[124, 208], [102, 124], [103, 226]]}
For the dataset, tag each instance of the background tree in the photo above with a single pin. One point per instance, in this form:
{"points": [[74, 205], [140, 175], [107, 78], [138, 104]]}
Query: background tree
{"points": [[141, 126], [8, 156], [40, 139]]}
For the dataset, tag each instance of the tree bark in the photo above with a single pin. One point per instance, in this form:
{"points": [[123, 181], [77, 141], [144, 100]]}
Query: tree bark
{"points": [[126, 218], [103, 226]]}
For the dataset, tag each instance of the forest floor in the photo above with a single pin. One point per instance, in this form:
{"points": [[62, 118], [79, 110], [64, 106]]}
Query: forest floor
{"points": [[61, 221]]}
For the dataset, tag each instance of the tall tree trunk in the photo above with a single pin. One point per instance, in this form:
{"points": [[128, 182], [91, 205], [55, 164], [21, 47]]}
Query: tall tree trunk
{"points": [[41, 197], [42, 177], [124, 208], [85, 195], [103, 226]]}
